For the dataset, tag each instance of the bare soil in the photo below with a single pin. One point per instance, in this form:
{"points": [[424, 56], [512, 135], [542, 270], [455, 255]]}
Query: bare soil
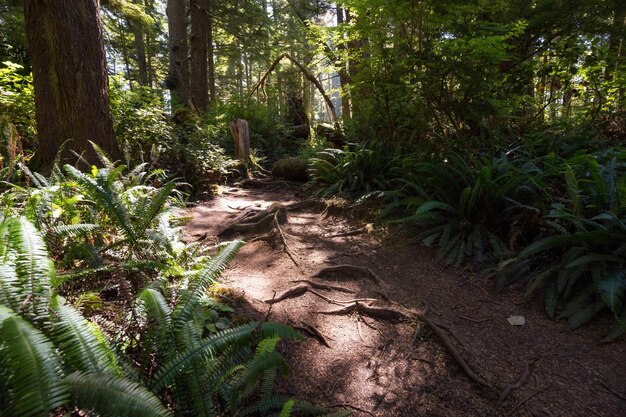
{"points": [[379, 366]]}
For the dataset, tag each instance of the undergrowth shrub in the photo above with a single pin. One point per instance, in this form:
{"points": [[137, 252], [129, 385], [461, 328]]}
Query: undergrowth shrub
{"points": [[548, 212], [352, 172], [580, 261], [53, 359], [469, 209], [17, 103]]}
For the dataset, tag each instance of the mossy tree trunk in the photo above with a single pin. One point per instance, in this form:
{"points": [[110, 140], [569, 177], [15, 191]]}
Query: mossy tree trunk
{"points": [[199, 54], [178, 77], [69, 73]]}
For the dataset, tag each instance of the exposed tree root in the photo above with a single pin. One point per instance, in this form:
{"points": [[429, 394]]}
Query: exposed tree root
{"points": [[507, 390], [526, 399], [313, 332], [325, 287], [316, 205], [257, 222], [381, 313], [436, 328], [265, 183], [350, 270], [364, 229], [283, 239], [292, 292]]}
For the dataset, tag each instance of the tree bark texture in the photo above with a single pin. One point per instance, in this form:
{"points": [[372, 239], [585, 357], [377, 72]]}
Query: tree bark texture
{"points": [[69, 73], [178, 77], [199, 76]]}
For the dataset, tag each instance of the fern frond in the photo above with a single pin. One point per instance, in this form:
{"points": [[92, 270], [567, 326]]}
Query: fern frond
{"points": [[10, 294], [109, 395], [156, 206], [32, 365], [102, 156], [73, 230], [32, 265], [206, 348], [611, 289], [82, 343], [107, 200], [189, 300], [271, 329]]}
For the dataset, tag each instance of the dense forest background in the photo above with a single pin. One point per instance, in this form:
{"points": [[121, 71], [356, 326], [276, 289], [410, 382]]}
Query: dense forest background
{"points": [[494, 130]]}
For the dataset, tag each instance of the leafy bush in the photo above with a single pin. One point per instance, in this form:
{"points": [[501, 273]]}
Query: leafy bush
{"points": [[352, 172], [17, 103], [139, 120], [107, 219], [467, 208], [580, 261]]}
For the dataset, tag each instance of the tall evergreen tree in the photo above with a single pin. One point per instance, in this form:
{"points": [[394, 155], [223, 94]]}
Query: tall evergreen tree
{"points": [[69, 71]]}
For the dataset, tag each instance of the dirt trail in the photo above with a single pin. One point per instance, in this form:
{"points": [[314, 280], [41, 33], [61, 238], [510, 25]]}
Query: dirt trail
{"points": [[388, 368]]}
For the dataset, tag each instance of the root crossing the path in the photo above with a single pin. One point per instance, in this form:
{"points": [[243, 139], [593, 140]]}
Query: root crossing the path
{"points": [[389, 331]]}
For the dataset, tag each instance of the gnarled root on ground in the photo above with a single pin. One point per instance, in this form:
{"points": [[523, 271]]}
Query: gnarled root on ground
{"points": [[348, 271]]}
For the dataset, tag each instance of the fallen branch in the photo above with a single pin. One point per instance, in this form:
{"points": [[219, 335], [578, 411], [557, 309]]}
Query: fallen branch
{"points": [[355, 408], [474, 320], [612, 391]]}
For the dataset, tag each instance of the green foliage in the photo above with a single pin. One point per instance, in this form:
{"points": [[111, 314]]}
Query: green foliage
{"points": [[580, 264], [352, 172], [17, 103], [467, 208], [57, 358]]}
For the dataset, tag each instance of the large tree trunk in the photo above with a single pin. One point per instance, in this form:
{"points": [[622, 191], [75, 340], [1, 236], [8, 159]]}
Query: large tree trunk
{"points": [[69, 71], [178, 77], [199, 31]]}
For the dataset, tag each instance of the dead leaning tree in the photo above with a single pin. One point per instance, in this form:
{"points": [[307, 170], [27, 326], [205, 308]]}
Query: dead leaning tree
{"points": [[308, 75]]}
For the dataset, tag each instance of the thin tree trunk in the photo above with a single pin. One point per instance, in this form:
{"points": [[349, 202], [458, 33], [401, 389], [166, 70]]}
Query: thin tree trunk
{"points": [[211, 54], [149, 5], [178, 77], [140, 51], [344, 78], [199, 54], [66, 48], [309, 76]]}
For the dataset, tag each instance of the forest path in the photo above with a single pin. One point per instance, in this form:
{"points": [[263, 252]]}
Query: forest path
{"points": [[385, 368]]}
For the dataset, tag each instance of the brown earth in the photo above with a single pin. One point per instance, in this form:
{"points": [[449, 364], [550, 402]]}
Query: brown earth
{"points": [[384, 368]]}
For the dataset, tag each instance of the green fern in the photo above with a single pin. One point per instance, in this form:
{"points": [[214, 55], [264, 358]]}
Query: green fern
{"points": [[82, 343], [189, 300], [107, 199], [109, 395], [33, 368], [32, 266]]}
